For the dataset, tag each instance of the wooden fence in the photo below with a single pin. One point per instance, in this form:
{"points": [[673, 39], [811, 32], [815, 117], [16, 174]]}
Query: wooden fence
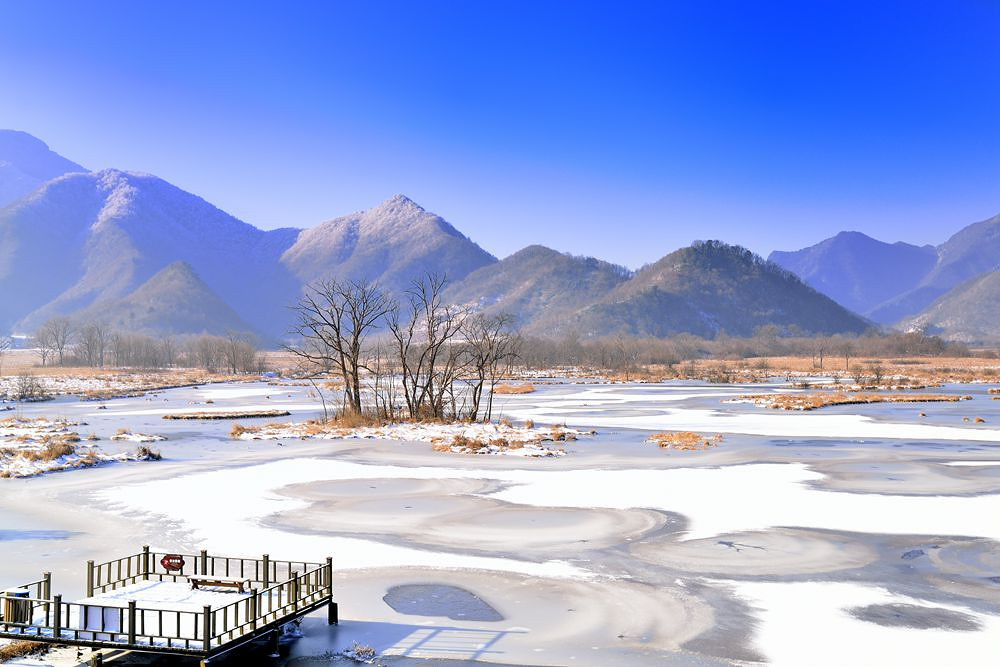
{"points": [[281, 591]]}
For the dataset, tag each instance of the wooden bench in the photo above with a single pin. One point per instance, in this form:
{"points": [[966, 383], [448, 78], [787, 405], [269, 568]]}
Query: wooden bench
{"points": [[240, 584]]}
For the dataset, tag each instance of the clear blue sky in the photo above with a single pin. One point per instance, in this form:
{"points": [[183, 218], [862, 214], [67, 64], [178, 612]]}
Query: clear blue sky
{"points": [[621, 130]]}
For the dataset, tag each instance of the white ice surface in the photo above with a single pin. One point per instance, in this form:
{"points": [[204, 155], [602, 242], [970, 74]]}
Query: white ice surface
{"points": [[972, 463], [233, 525], [807, 624], [114, 410], [715, 501], [645, 416], [229, 391]]}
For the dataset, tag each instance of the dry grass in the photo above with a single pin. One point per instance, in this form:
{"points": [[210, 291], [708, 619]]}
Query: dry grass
{"points": [[235, 414], [20, 649], [684, 440], [559, 435], [514, 389], [49, 452], [821, 400], [144, 453], [919, 370]]}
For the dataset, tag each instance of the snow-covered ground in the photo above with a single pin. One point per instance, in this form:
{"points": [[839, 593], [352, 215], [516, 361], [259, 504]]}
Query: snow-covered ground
{"points": [[617, 407], [30, 447], [617, 553], [497, 439]]}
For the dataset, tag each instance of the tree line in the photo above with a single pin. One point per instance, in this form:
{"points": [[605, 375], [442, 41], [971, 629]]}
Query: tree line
{"points": [[62, 341], [628, 353]]}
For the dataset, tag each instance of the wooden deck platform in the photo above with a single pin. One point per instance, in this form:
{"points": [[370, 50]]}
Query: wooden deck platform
{"points": [[145, 602]]}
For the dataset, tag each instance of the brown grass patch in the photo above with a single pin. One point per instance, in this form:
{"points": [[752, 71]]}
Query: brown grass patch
{"points": [[514, 389], [684, 440], [144, 453], [822, 400], [20, 649]]}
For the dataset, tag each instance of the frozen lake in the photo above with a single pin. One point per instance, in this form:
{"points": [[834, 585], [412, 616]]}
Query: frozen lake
{"points": [[803, 538]]}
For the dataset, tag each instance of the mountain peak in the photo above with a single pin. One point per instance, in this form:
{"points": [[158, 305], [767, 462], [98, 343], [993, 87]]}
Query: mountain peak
{"points": [[399, 204], [179, 270]]}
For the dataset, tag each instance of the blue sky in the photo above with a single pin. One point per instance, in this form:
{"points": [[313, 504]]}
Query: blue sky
{"points": [[621, 130]]}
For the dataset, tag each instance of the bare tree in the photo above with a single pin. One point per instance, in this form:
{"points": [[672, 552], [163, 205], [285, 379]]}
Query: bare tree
{"points": [[94, 339], [625, 354], [168, 351], [239, 353], [383, 370], [492, 347], [55, 337], [334, 318], [424, 331]]}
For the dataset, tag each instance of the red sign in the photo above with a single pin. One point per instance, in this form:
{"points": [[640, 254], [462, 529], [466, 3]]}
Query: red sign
{"points": [[172, 562]]}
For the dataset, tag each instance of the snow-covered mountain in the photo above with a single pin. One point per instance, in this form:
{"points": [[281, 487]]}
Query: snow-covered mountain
{"points": [[393, 243], [26, 163], [141, 254], [89, 237]]}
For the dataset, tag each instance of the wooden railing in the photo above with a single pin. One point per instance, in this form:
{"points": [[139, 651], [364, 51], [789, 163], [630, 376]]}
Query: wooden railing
{"points": [[75, 621], [41, 588], [146, 565], [281, 600], [283, 590]]}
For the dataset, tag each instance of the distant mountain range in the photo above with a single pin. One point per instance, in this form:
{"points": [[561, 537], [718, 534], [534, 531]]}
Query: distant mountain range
{"points": [[140, 254], [905, 285]]}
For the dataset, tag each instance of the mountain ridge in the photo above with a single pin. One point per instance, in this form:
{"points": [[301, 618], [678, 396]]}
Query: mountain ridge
{"points": [[25, 163], [85, 241]]}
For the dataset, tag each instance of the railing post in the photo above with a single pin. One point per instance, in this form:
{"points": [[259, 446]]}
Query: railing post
{"points": [[267, 571], [90, 578], [293, 590], [131, 622], [46, 591], [145, 562], [204, 561], [332, 611], [57, 616], [253, 609], [207, 627]]}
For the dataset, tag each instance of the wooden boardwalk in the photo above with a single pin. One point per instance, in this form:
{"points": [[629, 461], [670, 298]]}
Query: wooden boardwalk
{"points": [[145, 602]]}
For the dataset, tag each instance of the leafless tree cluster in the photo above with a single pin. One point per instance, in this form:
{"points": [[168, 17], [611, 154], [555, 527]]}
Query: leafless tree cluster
{"points": [[61, 341], [418, 357], [29, 388]]}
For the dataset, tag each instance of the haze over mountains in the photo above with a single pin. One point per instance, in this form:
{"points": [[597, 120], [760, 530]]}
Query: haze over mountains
{"points": [[142, 255], [903, 285]]}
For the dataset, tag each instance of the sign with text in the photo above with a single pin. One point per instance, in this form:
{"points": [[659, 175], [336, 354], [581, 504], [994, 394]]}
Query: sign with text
{"points": [[171, 562]]}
